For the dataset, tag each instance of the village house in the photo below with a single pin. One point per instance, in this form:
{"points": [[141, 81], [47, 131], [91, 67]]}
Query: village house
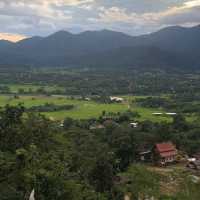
{"points": [[194, 162], [97, 126], [134, 124], [164, 153], [144, 153], [117, 99], [197, 156], [157, 113], [171, 113], [145, 156]]}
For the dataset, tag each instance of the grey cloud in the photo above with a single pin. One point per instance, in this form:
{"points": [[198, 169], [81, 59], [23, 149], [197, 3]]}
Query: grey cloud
{"points": [[190, 16], [42, 17], [141, 6]]}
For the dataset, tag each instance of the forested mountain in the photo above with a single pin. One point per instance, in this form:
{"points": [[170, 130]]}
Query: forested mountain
{"points": [[4, 44], [169, 47]]}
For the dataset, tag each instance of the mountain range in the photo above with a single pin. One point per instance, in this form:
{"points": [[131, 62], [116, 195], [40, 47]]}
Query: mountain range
{"points": [[175, 47]]}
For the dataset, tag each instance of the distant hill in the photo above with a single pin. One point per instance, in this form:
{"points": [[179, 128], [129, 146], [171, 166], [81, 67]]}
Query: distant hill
{"points": [[4, 45], [169, 47]]}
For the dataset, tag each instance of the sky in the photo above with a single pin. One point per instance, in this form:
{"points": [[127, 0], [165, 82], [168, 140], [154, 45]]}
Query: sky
{"points": [[26, 18]]}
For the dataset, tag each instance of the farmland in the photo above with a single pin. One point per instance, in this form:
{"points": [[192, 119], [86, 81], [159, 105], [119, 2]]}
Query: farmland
{"points": [[82, 109]]}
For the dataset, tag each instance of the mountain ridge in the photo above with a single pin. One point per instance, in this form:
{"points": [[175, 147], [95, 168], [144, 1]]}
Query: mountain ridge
{"points": [[94, 47]]}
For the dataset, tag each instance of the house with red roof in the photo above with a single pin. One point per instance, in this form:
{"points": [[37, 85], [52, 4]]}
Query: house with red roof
{"points": [[164, 153]]}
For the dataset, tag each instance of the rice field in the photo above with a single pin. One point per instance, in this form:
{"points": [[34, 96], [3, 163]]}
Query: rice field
{"points": [[82, 109]]}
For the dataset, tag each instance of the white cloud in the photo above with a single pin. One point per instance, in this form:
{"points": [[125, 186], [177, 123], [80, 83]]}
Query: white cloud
{"points": [[191, 4], [74, 2]]}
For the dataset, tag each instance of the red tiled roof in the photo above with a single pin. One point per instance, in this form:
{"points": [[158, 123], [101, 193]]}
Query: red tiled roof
{"points": [[165, 147]]}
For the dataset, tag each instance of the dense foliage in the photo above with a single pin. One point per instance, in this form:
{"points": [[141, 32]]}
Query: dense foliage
{"points": [[49, 107], [74, 162], [183, 85]]}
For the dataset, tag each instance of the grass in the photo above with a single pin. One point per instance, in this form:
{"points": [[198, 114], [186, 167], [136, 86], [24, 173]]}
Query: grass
{"points": [[83, 109], [88, 110], [146, 114]]}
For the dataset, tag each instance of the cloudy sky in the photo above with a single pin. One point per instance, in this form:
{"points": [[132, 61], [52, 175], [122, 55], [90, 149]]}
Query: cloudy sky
{"points": [[25, 18]]}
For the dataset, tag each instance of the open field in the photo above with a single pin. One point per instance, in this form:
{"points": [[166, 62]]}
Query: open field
{"points": [[83, 109]]}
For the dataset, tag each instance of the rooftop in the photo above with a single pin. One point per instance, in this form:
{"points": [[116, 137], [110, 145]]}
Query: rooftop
{"points": [[165, 147]]}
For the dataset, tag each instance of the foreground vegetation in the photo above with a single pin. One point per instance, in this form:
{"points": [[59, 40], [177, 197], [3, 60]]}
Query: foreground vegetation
{"points": [[77, 163]]}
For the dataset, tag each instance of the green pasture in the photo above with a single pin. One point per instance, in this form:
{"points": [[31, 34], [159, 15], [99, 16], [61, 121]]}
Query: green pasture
{"points": [[83, 109]]}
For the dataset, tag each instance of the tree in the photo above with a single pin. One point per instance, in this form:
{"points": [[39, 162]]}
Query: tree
{"points": [[102, 175], [179, 122], [142, 182]]}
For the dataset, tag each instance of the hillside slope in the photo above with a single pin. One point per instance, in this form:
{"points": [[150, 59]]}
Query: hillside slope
{"points": [[169, 47]]}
